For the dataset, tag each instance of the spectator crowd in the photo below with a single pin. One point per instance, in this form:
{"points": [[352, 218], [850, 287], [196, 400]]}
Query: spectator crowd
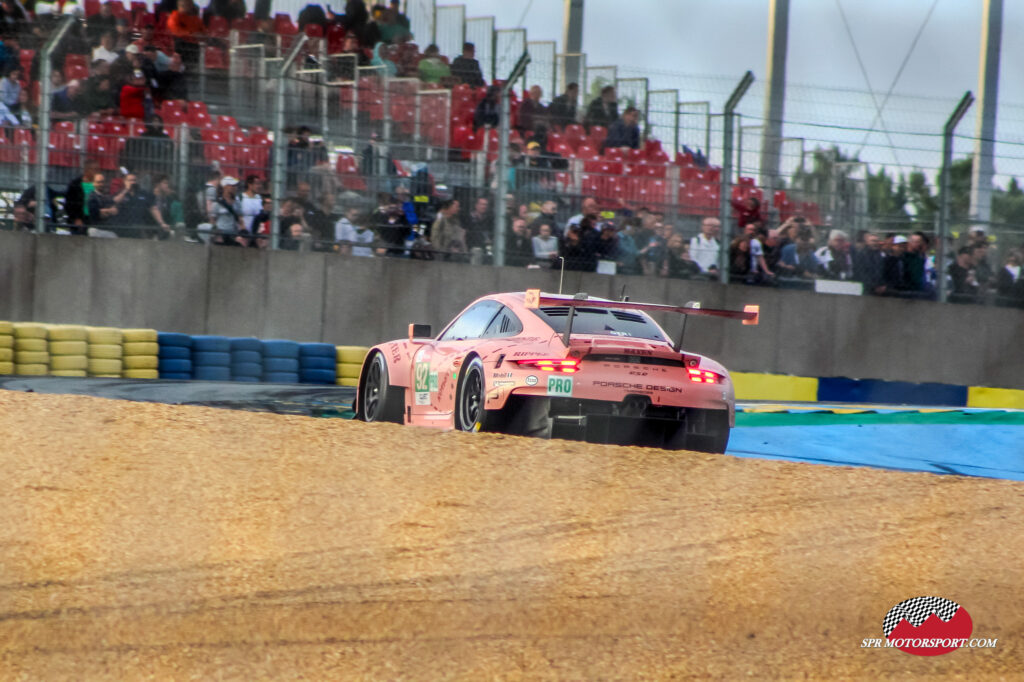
{"points": [[126, 66]]}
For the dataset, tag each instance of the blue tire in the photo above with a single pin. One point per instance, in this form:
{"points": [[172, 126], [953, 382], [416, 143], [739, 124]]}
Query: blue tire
{"points": [[317, 376], [281, 377], [212, 373], [211, 344], [318, 350], [317, 363], [211, 359], [247, 369], [247, 380], [174, 375], [175, 367], [274, 365], [175, 353], [238, 356], [174, 339], [252, 345], [280, 349]]}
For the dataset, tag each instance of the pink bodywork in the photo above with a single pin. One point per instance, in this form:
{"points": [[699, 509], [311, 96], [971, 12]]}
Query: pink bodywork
{"points": [[434, 366]]}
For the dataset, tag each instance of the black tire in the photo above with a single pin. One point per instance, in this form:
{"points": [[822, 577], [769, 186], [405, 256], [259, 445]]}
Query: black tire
{"points": [[470, 414], [379, 400], [521, 416]]}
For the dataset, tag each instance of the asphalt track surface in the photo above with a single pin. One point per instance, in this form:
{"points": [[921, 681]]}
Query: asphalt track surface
{"points": [[149, 540]]}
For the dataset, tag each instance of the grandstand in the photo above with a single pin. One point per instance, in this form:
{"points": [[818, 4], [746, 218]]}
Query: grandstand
{"points": [[378, 122]]}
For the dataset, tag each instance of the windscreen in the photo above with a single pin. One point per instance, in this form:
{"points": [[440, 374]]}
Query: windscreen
{"points": [[602, 321]]}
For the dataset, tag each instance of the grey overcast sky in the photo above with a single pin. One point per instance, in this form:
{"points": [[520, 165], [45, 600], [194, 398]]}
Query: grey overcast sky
{"points": [[702, 47]]}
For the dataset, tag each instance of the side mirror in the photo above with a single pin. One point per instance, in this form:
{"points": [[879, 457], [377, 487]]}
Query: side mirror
{"points": [[419, 331]]}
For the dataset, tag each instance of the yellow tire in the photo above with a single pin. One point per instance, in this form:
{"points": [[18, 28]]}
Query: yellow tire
{"points": [[67, 333], [69, 373], [35, 370], [28, 330], [345, 381], [6, 368], [32, 357], [6, 355], [66, 362], [6, 341], [349, 370], [141, 374], [350, 354], [105, 335], [140, 362], [106, 351], [137, 335], [106, 376], [39, 345], [69, 348], [6, 328], [141, 348], [104, 366]]}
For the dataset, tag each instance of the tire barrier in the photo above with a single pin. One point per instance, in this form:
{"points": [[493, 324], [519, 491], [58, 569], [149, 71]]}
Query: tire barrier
{"points": [[6, 348], [349, 363], [105, 352], [246, 360], [280, 361], [78, 351], [211, 358], [317, 363], [69, 350], [31, 349], [175, 356], [141, 354]]}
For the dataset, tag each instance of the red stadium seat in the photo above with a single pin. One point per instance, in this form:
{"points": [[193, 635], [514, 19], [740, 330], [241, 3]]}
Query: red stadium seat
{"points": [[314, 30], [217, 27], [92, 7]]}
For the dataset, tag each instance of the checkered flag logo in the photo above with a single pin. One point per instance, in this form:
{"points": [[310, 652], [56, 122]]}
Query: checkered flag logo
{"points": [[915, 611]]}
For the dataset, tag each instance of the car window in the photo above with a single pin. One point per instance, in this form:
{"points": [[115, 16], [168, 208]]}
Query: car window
{"points": [[623, 323], [505, 323], [472, 323]]}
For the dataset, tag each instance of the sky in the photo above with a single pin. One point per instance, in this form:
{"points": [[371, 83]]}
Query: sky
{"points": [[702, 47]]}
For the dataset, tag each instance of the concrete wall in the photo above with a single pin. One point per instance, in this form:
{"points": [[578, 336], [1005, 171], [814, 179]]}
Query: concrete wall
{"points": [[324, 297]]}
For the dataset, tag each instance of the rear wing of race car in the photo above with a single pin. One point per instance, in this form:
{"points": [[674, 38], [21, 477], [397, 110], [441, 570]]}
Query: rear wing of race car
{"points": [[535, 299]]}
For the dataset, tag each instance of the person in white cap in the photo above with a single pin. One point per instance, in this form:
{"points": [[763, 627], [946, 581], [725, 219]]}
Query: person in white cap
{"points": [[227, 214]]}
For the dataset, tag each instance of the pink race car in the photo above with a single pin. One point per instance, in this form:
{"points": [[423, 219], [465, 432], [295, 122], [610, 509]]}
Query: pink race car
{"points": [[542, 365]]}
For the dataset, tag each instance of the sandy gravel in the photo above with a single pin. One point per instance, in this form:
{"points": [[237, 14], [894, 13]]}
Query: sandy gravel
{"points": [[143, 540]]}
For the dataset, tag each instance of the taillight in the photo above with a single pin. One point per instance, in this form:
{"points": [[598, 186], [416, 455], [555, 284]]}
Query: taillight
{"points": [[703, 376], [567, 366]]}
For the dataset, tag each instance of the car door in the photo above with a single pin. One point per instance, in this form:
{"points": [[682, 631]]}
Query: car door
{"points": [[436, 366]]}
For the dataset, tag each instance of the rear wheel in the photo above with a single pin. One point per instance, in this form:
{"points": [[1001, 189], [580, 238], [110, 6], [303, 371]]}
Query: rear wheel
{"points": [[380, 401], [470, 414], [521, 415]]}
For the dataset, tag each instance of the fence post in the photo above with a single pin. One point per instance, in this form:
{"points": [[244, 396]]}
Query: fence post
{"points": [[945, 198], [725, 189], [43, 139], [502, 184], [280, 148]]}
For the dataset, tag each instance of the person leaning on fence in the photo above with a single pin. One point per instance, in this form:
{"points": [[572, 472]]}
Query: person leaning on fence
{"points": [[229, 228], [518, 244], [354, 235], [447, 234], [391, 225], [1009, 283], [167, 208], [869, 265], [963, 283], [102, 208], [545, 244], [704, 248]]}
